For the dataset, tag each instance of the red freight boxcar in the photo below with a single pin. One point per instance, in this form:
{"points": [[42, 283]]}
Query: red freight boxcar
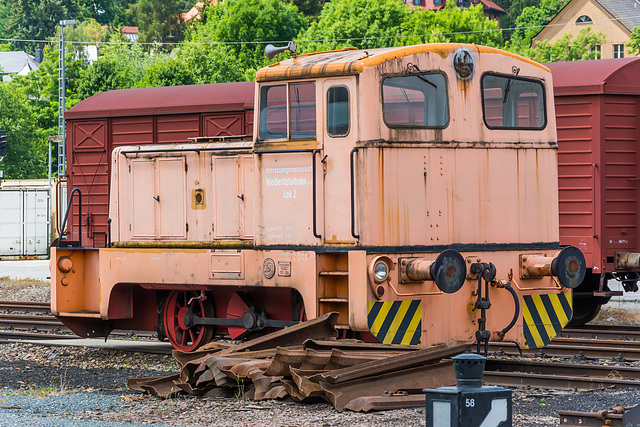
{"points": [[160, 115], [598, 117]]}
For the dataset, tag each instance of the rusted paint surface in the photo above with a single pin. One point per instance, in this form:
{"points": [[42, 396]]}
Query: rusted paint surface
{"points": [[338, 63]]}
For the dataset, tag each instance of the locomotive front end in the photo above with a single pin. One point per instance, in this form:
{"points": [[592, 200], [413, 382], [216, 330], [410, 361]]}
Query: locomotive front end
{"points": [[456, 160]]}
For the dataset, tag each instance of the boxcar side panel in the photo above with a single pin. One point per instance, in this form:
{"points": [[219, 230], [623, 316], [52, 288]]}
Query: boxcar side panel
{"points": [[578, 123], [177, 128], [88, 158], [619, 176]]}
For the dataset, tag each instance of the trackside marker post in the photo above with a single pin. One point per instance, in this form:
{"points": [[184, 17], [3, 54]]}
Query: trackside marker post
{"points": [[468, 404]]}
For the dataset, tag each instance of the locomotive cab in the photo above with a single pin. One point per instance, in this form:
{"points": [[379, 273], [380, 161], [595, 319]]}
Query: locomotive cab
{"points": [[413, 190]]}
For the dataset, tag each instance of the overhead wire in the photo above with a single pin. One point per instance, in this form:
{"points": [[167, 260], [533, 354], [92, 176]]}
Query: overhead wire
{"points": [[232, 43]]}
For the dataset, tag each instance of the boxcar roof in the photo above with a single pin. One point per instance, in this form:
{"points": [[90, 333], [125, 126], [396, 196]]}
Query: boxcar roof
{"points": [[596, 76], [353, 61], [165, 100]]}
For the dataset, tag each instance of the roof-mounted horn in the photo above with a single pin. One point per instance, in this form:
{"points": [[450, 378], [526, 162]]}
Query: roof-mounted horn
{"points": [[271, 51]]}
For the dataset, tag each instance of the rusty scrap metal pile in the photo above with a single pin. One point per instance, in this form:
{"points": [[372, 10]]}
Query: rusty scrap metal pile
{"points": [[306, 363]]}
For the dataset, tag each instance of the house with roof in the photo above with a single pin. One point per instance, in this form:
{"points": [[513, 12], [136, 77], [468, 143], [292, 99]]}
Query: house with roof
{"points": [[16, 64], [131, 33], [194, 12], [616, 19], [491, 10]]}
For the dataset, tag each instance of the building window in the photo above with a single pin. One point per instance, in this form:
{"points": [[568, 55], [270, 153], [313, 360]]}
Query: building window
{"points": [[437, 2], [618, 51], [584, 19], [416, 2], [597, 51]]}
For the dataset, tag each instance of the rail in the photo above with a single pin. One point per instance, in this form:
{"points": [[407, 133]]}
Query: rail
{"points": [[72, 243]]}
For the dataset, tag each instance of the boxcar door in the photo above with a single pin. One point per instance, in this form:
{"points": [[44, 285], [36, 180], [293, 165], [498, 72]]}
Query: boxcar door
{"points": [[339, 136]]}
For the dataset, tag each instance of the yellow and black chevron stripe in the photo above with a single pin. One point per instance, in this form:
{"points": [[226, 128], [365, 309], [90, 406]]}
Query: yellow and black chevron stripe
{"points": [[544, 317], [396, 322]]}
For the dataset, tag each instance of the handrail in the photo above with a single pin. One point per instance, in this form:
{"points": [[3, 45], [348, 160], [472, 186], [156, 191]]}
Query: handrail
{"points": [[58, 197], [315, 207], [64, 221], [594, 169], [353, 195]]}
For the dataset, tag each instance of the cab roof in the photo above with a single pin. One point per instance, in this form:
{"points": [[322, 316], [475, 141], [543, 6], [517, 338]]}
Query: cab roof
{"points": [[353, 61]]}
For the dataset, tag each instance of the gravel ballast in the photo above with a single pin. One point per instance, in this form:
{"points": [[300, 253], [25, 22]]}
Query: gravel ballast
{"points": [[81, 386]]}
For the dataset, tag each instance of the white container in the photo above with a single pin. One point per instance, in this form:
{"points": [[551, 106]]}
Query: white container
{"points": [[24, 222]]}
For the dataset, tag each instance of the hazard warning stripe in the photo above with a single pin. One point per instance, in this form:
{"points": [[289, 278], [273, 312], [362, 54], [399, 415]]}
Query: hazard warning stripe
{"points": [[396, 322], [544, 317]]}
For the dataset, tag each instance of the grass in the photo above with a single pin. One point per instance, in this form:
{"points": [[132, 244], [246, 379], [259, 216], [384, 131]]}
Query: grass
{"points": [[57, 388], [6, 280]]}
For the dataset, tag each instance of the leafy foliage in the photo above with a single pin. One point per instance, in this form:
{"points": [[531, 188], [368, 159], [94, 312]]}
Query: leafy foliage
{"points": [[159, 22], [26, 155], [365, 24], [379, 23], [530, 22], [247, 23], [569, 49], [451, 24], [634, 41]]}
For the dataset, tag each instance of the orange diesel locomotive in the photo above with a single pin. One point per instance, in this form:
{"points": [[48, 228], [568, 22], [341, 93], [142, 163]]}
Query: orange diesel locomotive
{"points": [[413, 190]]}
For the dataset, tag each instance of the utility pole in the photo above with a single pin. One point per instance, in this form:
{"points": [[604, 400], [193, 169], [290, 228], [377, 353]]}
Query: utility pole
{"points": [[62, 165]]}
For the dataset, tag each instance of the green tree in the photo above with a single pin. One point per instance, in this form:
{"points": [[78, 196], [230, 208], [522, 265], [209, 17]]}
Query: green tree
{"points": [[364, 24], [530, 23], [38, 19], [170, 72], [110, 12], [309, 8], [634, 41], [214, 64], [513, 8], [244, 26], [379, 23], [451, 24], [26, 155], [159, 22], [568, 48], [41, 88]]}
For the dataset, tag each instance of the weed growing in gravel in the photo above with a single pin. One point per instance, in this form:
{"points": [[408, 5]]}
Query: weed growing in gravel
{"points": [[240, 395], [39, 391]]}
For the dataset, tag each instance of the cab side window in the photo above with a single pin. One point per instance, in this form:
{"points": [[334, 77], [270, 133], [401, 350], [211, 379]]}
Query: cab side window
{"points": [[510, 102], [288, 111], [273, 112], [338, 111], [302, 101]]}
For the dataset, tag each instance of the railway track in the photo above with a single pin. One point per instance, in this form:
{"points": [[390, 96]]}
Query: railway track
{"points": [[33, 321], [616, 332]]}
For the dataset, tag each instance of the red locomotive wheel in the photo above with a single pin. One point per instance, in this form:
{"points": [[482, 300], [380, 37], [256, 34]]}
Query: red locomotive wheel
{"points": [[181, 336]]}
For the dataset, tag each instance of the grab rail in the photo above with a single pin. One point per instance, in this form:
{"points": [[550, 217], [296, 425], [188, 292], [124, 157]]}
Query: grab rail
{"points": [[72, 243], [353, 195]]}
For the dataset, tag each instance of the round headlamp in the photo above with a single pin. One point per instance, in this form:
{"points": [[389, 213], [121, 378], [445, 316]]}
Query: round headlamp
{"points": [[381, 271]]}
